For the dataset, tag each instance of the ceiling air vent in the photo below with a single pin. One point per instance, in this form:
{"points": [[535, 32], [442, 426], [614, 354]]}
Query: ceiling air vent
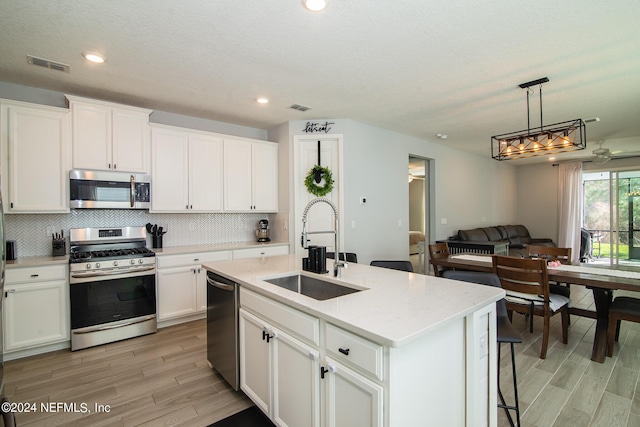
{"points": [[299, 107], [47, 63]]}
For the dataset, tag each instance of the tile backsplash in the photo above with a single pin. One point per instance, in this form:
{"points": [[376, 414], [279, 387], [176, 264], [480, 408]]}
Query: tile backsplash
{"points": [[30, 231]]}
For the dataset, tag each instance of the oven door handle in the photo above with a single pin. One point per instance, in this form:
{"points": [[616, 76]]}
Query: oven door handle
{"points": [[120, 325], [222, 286], [110, 273]]}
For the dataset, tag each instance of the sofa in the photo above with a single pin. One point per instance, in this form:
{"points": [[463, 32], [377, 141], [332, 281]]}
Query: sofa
{"points": [[502, 239]]}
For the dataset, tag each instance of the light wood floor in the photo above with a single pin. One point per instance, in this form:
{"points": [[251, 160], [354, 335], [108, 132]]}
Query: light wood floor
{"points": [[156, 380], [164, 379]]}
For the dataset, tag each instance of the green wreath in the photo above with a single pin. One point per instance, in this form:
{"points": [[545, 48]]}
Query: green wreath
{"points": [[312, 185]]}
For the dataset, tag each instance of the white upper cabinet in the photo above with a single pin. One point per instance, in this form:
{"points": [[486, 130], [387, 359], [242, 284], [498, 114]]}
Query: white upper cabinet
{"points": [[109, 136], [250, 176], [186, 170], [35, 158]]}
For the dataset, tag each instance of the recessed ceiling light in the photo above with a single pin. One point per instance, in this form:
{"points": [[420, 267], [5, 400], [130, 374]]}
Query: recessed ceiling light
{"points": [[262, 100], [93, 57], [315, 5], [551, 158]]}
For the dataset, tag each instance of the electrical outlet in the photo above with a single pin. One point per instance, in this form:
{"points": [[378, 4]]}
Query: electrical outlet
{"points": [[484, 348], [363, 200]]}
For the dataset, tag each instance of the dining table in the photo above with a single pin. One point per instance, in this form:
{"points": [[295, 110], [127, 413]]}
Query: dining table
{"points": [[603, 280]]}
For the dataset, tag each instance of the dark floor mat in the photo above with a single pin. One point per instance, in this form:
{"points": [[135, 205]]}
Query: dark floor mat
{"points": [[250, 417]]}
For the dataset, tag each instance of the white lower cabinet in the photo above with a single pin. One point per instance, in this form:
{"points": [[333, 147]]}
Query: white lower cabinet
{"points": [[351, 399], [279, 373], [36, 307], [284, 370], [182, 283]]}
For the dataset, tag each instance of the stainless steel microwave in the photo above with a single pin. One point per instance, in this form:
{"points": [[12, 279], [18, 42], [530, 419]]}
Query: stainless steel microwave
{"points": [[109, 190]]}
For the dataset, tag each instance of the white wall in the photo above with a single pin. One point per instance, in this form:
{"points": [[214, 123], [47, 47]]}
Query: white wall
{"points": [[467, 188], [538, 200]]}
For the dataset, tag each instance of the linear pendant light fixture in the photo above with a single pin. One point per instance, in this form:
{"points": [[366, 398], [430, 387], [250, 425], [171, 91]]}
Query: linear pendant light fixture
{"points": [[539, 141]]}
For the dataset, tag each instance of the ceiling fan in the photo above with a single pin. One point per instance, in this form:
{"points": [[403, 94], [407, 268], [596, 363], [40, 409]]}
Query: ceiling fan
{"points": [[602, 155]]}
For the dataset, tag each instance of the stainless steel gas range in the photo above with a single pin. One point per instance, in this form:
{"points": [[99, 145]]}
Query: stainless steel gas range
{"points": [[112, 285]]}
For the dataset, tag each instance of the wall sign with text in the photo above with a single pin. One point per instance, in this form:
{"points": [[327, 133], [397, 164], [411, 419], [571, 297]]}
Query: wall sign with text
{"points": [[312, 127]]}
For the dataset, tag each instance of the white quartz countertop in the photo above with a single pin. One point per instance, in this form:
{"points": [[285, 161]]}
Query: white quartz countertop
{"points": [[35, 261], [395, 308]]}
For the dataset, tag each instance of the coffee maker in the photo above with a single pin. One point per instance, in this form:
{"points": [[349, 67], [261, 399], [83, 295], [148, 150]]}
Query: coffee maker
{"points": [[262, 233]]}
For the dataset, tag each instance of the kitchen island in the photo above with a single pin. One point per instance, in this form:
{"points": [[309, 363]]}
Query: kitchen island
{"points": [[405, 349]]}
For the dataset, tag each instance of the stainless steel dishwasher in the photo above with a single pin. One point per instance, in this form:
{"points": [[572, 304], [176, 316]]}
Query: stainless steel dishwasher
{"points": [[223, 352]]}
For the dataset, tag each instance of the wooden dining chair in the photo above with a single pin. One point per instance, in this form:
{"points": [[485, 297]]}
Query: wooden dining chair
{"points": [[527, 284], [551, 253], [505, 333], [622, 308], [438, 251]]}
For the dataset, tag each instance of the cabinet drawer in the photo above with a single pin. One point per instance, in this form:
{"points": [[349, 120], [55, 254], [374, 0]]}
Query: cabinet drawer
{"points": [[289, 318], [260, 252], [36, 274], [359, 351], [167, 261]]}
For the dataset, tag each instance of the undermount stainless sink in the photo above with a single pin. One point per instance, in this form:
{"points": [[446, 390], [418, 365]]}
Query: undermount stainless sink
{"points": [[311, 287]]}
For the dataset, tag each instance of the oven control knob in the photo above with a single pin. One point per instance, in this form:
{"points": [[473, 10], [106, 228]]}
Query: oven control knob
{"points": [[115, 263], [133, 261], [88, 266], [97, 265], [140, 261]]}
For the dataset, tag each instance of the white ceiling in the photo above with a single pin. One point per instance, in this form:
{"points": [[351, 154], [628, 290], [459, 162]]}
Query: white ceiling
{"points": [[413, 66]]}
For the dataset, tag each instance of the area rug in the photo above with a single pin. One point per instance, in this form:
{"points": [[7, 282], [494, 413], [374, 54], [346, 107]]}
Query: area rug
{"points": [[250, 417]]}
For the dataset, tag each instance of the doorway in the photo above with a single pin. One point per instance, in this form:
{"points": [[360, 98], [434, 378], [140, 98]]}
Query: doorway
{"points": [[418, 178], [612, 215]]}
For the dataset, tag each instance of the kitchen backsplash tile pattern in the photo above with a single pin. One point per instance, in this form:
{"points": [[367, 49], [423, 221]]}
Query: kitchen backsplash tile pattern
{"points": [[30, 231]]}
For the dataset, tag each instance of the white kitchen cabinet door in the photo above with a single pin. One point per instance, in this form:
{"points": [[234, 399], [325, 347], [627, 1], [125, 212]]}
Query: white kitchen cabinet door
{"points": [[351, 399], [255, 361], [205, 173], [296, 382], [35, 158], [109, 136], [264, 164], [250, 176], [237, 176], [91, 132], [130, 141], [177, 294], [35, 314], [170, 170]]}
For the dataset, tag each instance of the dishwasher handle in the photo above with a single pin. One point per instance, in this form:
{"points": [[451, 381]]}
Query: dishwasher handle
{"points": [[219, 285]]}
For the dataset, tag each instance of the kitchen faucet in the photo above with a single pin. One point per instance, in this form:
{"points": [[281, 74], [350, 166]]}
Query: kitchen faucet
{"points": [[337, 263]]}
